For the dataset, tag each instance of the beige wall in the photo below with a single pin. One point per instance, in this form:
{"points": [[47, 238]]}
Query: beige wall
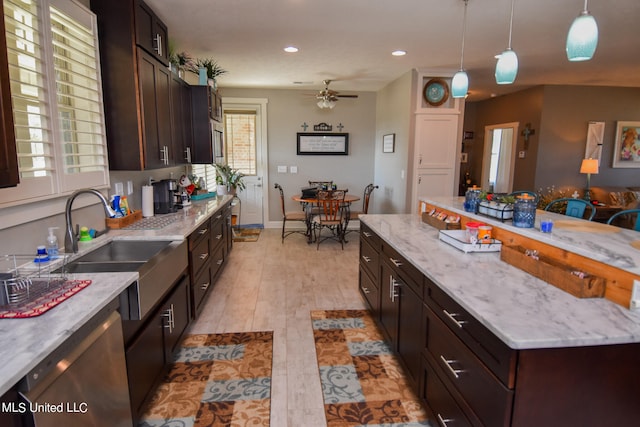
{"points": [[287, 111]]}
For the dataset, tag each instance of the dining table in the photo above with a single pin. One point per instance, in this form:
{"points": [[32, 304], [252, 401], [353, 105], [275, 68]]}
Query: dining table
{"points": [[307, 204]]}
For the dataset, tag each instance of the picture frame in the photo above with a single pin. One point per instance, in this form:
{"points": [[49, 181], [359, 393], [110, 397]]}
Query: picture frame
{"points": [[322, 143], [389, 143], [626, 149]]}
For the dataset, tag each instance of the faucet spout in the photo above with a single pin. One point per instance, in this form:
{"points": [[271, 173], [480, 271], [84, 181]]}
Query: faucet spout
{"points": [[70, 238]]}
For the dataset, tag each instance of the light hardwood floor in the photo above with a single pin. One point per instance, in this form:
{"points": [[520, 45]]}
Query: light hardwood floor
{"points": [[267, 285]]}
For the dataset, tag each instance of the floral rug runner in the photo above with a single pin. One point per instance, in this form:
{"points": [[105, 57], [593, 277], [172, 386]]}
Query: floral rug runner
{"points": [[216, 380], [362, 382]]}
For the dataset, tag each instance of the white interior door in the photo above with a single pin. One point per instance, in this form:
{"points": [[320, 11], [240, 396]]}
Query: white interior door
{"points": [[253, 200]]}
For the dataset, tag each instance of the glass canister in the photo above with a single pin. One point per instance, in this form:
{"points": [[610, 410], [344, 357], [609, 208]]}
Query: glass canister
{"points": [[524, 211], [471, 199]]}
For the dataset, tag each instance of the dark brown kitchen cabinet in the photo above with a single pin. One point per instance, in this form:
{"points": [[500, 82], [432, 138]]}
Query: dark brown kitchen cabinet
{"points": [[151, 33], [181, 120], [401, 312], [201, 116], [369, 274], [151, 350], [136, 92], [8, 160]]}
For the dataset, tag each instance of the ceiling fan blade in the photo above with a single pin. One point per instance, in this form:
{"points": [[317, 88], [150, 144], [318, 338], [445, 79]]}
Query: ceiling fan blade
{"points": [[347, 96]]}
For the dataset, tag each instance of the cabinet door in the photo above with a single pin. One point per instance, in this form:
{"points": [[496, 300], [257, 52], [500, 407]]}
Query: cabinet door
{"points": [[151, 33], [145, 361], [176, 317], [181, 120], [410, 335], [8, 160], [389, 302], [156, 112], [369, 291], [201, 125]]}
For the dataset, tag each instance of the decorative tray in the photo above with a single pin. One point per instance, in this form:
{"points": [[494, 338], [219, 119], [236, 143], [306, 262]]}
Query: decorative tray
{"points": [[459, 240]]}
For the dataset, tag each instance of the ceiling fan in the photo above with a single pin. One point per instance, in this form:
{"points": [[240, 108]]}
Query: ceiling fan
{"points": [[327, 98]]}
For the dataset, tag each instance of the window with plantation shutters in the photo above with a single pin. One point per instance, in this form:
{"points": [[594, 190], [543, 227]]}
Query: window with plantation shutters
{"points": [[56, 94]]}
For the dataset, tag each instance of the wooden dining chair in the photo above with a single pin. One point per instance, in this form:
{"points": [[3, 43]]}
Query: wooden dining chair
{"points": [[329, 216], [354, 215], [625, 219], [571, 207], [296, 216]]}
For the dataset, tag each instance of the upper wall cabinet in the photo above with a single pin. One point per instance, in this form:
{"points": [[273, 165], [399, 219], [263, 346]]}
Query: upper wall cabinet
{"points": [[8, 160], [137, 86], [151, 33]]}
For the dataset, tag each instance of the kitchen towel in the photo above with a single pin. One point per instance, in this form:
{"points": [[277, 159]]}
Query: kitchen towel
{"points": [[147, 201]]}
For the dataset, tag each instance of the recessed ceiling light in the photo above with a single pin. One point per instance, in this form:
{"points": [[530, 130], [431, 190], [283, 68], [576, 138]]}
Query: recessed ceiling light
{"points": [[399, 53], [291, 49]]}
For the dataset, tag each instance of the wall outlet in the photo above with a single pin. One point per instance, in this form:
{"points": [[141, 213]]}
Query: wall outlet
{"points": [[522, 154], [293, 169], [117, 188], [129, 188]]}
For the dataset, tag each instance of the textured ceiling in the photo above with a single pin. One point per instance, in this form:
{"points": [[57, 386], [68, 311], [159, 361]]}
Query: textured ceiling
{"points": [[350, 41]]}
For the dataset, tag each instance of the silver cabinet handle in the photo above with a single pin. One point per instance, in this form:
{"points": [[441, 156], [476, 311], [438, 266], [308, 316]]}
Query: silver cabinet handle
{"points": [[220, 261], [204, 256], [219, 216], [164, 155], [219, 236], [393, 284], [158, 40], [365, 290], [366, 258], [452, 316], [187, 154], [442, 421], [203, 231], [169, 314], [204, 286], [448, 363], [395, 262], [366, 234]]}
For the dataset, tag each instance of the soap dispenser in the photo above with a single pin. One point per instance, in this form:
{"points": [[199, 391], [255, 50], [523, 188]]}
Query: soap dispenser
{"points": [[52, 244]]}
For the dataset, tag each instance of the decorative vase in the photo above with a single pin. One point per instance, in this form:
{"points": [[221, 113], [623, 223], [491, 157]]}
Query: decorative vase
{"points": [[221, 190], [202, 76]]}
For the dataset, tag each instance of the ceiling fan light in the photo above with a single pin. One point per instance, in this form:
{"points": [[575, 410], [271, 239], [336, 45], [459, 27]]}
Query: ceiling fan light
{"points": [[507, 67], [582, 38], [460, 84]]}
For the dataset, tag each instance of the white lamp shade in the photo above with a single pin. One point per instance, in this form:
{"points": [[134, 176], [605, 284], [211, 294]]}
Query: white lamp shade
{"points": [[589, 166], [582, 39], [507, 67], [460, 84]]}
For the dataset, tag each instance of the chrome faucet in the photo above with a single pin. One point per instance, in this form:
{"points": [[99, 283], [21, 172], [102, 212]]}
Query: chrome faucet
{"points": [[70, 238]]}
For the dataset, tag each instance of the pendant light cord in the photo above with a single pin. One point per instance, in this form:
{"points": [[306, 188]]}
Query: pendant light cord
{"points": [[464, 30], [511, 22]]}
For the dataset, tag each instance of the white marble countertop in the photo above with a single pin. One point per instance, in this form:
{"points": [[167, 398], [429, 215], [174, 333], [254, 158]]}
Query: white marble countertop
{"points": [[28, 341], [523, 311], [608, 244]]}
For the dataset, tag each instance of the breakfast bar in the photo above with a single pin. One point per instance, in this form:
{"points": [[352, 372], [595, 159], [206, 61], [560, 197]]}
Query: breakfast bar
{"points": [[496, 345]]}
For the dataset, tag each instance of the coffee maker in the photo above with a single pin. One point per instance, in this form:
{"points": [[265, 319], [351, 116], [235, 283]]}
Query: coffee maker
{"points": [[163, 196]]}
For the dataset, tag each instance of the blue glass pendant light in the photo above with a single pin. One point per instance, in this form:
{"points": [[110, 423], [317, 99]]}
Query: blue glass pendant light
{"points": [[507, 66], [582, 39], [460, 81]]}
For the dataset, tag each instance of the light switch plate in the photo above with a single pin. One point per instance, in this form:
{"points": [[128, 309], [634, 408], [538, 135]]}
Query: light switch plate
{"points": [[129, 188], [117, 188], [282, 169], [293, 169]]}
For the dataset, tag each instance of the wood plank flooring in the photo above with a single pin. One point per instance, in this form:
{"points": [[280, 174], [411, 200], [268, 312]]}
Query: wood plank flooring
{"points": [[267, 285]]}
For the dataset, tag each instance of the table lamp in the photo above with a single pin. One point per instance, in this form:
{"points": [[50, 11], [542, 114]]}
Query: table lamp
{"points": [[589, 166]]}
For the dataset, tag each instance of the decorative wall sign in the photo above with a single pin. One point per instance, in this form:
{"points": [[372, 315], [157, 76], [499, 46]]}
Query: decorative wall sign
{"points": [[322, 127], [389, 143], [626, 151], [323, 143]]}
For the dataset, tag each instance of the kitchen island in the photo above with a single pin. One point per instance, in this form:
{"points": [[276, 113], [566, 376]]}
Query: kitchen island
{"points": [[27, 342], [497, 346]]}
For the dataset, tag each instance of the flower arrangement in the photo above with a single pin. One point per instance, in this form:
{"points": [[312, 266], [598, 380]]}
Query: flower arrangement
{"points": [[551, 193]]}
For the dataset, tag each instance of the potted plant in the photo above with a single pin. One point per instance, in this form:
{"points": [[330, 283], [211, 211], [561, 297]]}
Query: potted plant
{"points": [[229, 180], [213, 69]]}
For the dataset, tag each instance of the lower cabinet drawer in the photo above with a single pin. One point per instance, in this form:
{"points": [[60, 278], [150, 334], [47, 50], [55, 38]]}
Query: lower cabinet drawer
{"points": [[446, 411], [369, 290], [217, 261], [199, 256], [199, 287], [489, 399]]}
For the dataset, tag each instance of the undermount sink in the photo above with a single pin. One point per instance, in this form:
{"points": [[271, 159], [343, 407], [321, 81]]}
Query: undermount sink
{"points": [[158, 264], [117, 256]]}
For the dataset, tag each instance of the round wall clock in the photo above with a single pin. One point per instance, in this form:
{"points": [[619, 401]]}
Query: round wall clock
{"points": [[436, 92]]}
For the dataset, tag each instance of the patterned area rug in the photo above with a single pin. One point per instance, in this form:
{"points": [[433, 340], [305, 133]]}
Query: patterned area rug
{"points": [[216, 380], [362, 382]]}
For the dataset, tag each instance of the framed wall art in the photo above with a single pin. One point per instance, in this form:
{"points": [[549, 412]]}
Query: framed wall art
{"points": [[321, 143], [389, 143], [626, 150]]}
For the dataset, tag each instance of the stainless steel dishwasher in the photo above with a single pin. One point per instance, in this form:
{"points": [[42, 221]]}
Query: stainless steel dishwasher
{"points": [[83, 382]]}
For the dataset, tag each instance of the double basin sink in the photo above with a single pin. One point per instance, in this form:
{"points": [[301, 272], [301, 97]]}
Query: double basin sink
{"points": [[159, 265]]}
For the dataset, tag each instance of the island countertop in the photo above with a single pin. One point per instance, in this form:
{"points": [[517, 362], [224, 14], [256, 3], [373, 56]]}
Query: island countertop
{"points": [[523, 311], [28, 341]]}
